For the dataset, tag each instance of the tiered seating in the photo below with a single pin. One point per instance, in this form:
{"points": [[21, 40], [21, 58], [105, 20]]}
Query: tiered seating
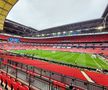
{"points": [[64, 70], [84, 38], [73, 41], [17, 46], [63, 86], [10, 83], [71, 72], [99, 78], [93, 49]]}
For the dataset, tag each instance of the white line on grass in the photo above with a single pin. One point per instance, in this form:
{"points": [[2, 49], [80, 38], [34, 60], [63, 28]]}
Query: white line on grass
{"points": [[96, 62], [77, 59], [100, 57]]}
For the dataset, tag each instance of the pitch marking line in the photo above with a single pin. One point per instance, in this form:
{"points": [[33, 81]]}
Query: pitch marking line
{"points": [[96, 62], [100, 57]]}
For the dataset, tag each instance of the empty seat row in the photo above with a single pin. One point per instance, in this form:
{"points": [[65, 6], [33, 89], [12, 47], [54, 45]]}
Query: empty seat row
{"points": [[83, 38], [99, 78]]}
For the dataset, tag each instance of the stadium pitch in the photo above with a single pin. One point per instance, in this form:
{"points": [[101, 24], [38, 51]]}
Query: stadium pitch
{"points": [[79, 59]]}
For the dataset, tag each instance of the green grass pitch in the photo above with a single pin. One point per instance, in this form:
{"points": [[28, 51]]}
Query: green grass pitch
{"points": [[81, 59]]}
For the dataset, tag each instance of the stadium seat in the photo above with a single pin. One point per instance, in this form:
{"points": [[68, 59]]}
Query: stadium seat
{"points": [[99, 78]]}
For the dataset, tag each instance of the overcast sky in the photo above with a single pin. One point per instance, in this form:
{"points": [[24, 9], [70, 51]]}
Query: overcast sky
{"points": [[42, 14]]}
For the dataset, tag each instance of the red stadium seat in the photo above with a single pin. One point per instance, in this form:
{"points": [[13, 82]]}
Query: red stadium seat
{"points": [[23, 88], [26, 87], [99, 78]]}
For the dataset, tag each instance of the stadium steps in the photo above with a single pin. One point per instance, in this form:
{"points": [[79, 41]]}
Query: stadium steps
{"points": [[87, 77], [65, 70], [99, 78]]}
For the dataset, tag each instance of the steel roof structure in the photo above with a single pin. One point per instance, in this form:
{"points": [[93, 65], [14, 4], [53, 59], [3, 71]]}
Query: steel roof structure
{"points": [[5, 7]]}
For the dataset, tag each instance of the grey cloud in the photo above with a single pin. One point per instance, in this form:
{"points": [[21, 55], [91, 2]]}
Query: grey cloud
{"points": [[41, 14]]}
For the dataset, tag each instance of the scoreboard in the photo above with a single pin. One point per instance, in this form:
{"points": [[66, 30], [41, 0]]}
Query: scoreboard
{"points": [[17, 40]]}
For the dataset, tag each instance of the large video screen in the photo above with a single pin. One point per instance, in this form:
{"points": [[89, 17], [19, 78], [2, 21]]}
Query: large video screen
{"points": [[17, 40]]}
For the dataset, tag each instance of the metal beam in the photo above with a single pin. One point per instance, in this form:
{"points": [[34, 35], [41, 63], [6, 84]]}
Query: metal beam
{"points": [[105, 12], [7, 2], [2, 14], [4, 9]]}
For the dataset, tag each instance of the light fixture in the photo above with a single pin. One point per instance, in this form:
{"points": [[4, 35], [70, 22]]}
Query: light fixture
{"points": [[64, 32], [100, 28]]}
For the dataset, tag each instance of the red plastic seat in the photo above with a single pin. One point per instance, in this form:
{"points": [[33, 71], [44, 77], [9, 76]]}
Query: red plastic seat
{"points": [[4, 78], [0, 76], [26, 87], [99, 78], [22, 88], [12, 79], [15, 85], [9, 82]]}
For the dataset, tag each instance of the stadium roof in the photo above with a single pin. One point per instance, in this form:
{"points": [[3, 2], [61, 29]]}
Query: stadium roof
{"points": [[106, 12], [44, 14], [5, 7]]}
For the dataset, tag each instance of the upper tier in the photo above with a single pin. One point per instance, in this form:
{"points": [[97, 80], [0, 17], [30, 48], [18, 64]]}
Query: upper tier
{"points": [[67, 39]]}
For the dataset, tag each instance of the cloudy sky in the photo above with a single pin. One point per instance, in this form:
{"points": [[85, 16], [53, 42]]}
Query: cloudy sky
{"points": [[42, 14]]}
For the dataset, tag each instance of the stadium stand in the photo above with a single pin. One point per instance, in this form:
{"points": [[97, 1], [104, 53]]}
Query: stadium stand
{"points": [[98, 78], [90, 44], [25, 72], [74, 74], [10, 83]]}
